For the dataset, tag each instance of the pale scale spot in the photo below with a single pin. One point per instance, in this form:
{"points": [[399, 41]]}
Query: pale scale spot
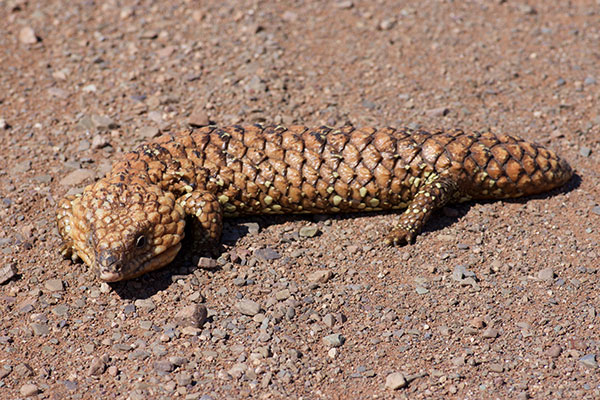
{"points": [[223, 199]]}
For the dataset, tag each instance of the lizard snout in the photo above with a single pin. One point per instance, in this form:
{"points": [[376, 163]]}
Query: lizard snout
{"points": [[109, 268]]}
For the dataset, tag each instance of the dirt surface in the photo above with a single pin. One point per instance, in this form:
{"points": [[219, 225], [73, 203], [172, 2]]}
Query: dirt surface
{"points": [[495, 300]]}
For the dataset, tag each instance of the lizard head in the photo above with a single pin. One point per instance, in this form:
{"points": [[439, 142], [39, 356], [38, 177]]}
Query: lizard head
{"points": [[131, 229]]}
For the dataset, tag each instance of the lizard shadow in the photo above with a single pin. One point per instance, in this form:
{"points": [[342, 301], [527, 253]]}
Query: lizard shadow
{"points": [[234, 229]]}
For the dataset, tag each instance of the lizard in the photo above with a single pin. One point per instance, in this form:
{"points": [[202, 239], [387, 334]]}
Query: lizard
{"points": [[133, 220]]}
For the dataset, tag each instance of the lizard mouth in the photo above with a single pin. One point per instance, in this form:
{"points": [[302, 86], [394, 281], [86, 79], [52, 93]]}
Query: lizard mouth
{"points": [[132, 270]]}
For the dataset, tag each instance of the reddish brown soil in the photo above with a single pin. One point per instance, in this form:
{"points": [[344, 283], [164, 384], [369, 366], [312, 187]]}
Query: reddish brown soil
{"points": [[495, 300]]}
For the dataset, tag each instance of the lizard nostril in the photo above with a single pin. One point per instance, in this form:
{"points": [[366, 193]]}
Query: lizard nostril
{"points": [[106, 259]]}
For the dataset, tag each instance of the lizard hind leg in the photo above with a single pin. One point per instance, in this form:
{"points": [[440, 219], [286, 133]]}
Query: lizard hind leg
{"points": [[434, 194], [64, 217], [206, 221]]}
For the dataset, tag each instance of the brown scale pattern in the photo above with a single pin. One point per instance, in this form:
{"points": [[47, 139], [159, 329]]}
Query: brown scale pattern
{"points": [[133, 220]]}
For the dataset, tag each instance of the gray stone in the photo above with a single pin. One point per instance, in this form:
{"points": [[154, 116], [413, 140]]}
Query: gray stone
{"points": [[40, 329], [267, 254], [308, 231], [238, 370], [437, 112], [77, 177], [97, 366], [282, 294], [490, 333], [29, 389], [207, 263], [596, 210], [395, 381], [554, 351], [103, 123], [329, 320], [148, 132], [387, 24], [198, 117], [61, 310], [21, 167], [334, 340], [27, 35], [460, 272], [146, 304], [546, 274], [99, 141], [345, 4], [7, 273], [589, 360], [248, 307], [54, 285], [255, 85], [320, 276], [163, 366], [183, 378], [585, 151], [421, 290], [192, 315]]}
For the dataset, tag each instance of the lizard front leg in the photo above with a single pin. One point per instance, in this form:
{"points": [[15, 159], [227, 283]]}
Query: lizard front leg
{"points": [[434, 193], [206, 215]]}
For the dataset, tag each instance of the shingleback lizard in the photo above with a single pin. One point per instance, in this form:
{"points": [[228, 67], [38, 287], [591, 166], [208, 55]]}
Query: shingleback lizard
{"points": [[132, 221]]}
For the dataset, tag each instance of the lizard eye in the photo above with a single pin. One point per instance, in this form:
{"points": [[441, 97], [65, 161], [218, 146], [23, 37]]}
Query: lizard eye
{"points": [[140, 241]]}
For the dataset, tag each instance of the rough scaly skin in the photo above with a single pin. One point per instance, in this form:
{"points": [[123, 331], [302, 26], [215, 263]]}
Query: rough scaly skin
{"points": [[133, 220]]}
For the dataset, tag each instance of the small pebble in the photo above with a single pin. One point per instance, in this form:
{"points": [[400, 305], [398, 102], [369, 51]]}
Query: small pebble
{"points": [[437, 112], [495, 367], [490, 333], [421, 290], [77, 177], [554, 351], [148, 132], [596, 210], [267, 254], [27, 35], [163, 366], [198, 117], [248, 307], [395, 381], [193, 315], [7, 273], [344, 4], [589, 360], [387, 24], [97, 367], [585, 151], [320, 276], [308, 231], [546, 274], [334, 340], [207, 263], [29, 389]]}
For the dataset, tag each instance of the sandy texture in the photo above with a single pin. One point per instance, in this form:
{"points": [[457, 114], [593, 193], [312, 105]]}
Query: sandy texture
{"points": [[495, 300]]}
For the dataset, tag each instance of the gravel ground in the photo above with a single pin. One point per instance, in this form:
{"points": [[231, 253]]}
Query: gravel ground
{"points": [[495, 300]]}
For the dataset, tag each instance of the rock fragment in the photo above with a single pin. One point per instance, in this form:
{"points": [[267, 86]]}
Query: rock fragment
{"points": [[248, 307], [395, 381]]}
